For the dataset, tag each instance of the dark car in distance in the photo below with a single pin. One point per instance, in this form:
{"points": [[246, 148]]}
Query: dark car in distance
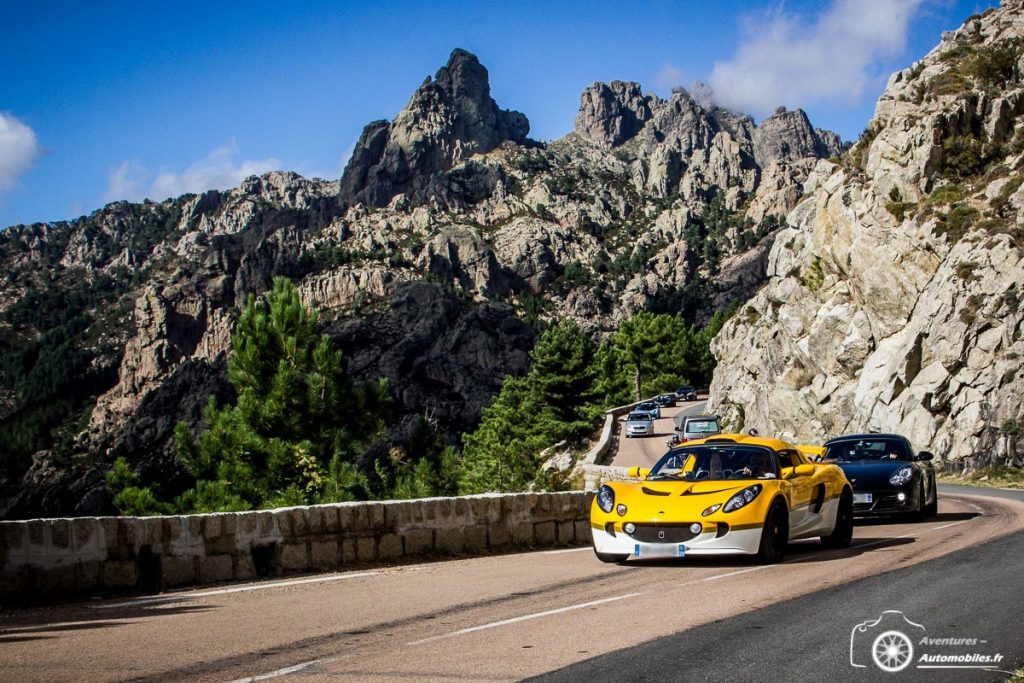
{"points": [[686, 393], [665, 400], [888, 476]]}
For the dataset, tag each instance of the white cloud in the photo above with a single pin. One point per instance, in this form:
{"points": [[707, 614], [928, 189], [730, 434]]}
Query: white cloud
{"points": [[785, 59], [218, 170], [19, 150]]}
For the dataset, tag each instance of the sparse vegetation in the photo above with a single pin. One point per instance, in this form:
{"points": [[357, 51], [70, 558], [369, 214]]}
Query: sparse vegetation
{"points": [[993, 477], [896, 206], [955, 224], [965, 271], [814, 276]]}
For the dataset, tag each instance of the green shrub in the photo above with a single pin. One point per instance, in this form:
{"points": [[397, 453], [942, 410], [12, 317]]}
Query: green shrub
{"points": [[957, 222], [994, 65], [814, 277]]}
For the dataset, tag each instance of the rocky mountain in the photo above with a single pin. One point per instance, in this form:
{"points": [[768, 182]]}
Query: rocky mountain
{"points": [[893, 299], [449, 236]]}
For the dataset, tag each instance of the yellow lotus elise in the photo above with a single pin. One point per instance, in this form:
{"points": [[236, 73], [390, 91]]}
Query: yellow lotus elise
{"points": [[726, 494]]}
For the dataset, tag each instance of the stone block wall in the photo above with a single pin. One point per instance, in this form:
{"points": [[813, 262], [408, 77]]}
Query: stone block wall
{"points": [[64, 558]]}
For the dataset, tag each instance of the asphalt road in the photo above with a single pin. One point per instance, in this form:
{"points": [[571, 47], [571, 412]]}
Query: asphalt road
{"points": [[527, 614], [975, 594]]}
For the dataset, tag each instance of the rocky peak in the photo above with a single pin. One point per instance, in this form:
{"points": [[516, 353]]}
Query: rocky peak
{"points": [[788, 136], [448, 120], [610, 114]]}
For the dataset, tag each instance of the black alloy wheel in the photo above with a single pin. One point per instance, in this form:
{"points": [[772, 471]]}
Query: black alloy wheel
{"points": [[774, 534], [842, 532]]}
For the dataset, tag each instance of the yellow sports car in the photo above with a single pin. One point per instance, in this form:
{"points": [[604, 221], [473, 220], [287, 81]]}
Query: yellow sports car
{"points": [[730, 493]]}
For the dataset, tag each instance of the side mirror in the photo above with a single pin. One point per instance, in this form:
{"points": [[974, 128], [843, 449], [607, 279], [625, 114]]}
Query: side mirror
{"points": [[639, 472], [924, 456], [803, 470]]}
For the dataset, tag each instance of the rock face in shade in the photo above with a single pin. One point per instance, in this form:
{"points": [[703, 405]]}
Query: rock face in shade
{"points": [[894, 294], [448, 120]]}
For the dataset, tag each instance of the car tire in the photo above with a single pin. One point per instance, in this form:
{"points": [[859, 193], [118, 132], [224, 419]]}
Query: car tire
{"points": [[610, 558], [842, 532], [921, 513], [774, 534], [932, 509]]}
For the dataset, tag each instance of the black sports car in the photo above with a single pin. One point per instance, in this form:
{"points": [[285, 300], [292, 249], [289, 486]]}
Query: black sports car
{"points": [[888, 477], [686, 393]]}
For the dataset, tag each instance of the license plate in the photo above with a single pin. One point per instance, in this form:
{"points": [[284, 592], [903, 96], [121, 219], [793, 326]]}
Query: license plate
{"points": [[659, 550], [863, 498]]}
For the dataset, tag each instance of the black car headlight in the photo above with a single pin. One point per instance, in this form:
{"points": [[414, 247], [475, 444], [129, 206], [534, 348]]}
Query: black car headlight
{"points": [[744, 497], [606, 498], [901, 476]]}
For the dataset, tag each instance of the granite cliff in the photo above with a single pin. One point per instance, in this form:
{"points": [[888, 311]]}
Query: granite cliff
{"points": [[893, 299]]}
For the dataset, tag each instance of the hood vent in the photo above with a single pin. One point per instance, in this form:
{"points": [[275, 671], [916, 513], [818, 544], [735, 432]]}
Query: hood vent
{"points": [[652, 492]]}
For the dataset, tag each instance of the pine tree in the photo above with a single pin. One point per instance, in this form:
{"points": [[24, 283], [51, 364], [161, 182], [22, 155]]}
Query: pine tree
{"points": [[295, 429], [555, 402]]}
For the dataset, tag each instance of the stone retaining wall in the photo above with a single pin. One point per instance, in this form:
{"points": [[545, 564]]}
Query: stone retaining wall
{"points": [[63, 558]]}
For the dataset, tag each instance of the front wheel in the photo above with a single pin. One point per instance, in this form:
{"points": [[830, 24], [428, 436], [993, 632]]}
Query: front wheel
{"points": [[610, 558], [921, 512], [932, 508], [774, 534], [842, 532]]}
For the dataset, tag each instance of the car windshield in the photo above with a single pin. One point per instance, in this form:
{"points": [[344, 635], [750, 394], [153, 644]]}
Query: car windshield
{"points": [[685, 387], [702, 426], [866, 449], [647, 405], [639, 417], [715, 463]]}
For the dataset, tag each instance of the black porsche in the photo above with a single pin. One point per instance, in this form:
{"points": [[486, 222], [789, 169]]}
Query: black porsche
{"points": [[888, 476]]}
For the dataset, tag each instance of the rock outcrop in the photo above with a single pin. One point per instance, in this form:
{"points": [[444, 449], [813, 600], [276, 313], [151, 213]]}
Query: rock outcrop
{"points": [[893, 298], [789, 136], [612, 113], [448, 120]]}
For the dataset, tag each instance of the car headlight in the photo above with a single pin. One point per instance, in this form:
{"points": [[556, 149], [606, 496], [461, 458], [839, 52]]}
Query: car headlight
{"points": [[742, 498], [901, 476], [606, 498]]}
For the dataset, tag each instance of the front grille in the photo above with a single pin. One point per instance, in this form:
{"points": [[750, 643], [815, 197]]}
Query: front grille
{"points": [[663, 533]]}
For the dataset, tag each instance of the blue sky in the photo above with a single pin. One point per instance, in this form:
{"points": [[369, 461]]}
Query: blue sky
{"points": [[125, 100]]}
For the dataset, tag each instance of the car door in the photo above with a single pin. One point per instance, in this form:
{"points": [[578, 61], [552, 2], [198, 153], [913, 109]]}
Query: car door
{"points": [[802, 490]]}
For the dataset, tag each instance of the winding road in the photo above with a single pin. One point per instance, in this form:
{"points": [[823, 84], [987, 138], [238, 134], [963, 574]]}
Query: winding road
{"points": [[562, 615]]}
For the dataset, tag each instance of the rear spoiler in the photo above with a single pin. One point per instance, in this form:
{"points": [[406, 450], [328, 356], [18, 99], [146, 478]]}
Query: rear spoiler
{"points": [[813, 452]]}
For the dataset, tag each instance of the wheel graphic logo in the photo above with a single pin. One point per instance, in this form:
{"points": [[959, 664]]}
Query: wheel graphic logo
{"points": [[892, 651]]}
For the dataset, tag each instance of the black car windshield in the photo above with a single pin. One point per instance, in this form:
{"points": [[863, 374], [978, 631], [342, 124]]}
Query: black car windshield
{"points": [[647, 405], [866, 449], [715, 463], [639, 417]]}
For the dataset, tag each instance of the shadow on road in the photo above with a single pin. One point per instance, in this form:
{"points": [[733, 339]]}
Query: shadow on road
{"points": [[85, 621]]}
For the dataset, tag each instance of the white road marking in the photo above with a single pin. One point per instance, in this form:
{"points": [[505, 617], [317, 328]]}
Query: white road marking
{"points": [[288, 670], [716, 577], [560, 552], [525, 617], [190, 595]]}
